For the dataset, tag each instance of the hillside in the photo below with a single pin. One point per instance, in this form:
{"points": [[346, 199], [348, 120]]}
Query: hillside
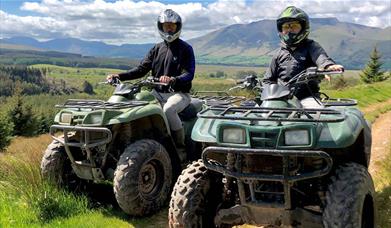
{"points": [[255, 43], [88, 48], [250, 44], [12, 54]]}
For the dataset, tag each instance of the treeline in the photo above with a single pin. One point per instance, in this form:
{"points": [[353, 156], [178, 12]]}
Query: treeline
{"points": [[31, 57], [30, 81]]}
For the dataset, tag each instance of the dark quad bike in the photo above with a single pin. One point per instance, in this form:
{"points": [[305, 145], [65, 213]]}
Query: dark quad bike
{"points": [[279, 164], [124, 141]]}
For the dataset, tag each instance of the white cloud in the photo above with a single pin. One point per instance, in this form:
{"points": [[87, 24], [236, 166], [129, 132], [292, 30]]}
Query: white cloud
{"points": [[127, 21]]}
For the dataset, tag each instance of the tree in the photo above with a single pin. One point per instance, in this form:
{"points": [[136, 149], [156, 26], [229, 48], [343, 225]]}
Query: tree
{"points": [[5, 131], [372, 73], [22, 116]]}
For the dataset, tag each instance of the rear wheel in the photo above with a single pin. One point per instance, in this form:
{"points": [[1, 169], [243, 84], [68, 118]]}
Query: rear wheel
{"points": [[143, 178], [195, 197], [350, 198]]}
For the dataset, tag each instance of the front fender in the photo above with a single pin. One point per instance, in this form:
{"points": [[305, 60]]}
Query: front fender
{"points": [[345, 133], [152, 109]]}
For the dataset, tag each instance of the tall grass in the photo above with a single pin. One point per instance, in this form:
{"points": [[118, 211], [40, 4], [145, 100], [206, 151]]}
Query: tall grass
{"points": [[25, 198], [383, 192]]}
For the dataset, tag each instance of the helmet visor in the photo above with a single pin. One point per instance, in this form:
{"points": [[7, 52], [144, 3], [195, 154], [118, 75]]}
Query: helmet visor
{"points": [[293, 26], [169, 27]]}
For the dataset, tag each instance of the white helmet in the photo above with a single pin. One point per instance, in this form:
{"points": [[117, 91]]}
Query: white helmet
{"points": [[170, 16]]}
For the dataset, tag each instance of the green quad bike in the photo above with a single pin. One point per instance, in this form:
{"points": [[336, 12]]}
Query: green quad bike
{"points": [[279, 164], [124, 141]]}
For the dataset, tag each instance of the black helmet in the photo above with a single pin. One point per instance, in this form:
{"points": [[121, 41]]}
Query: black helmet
{"points": [[171, 16], [289, 14]]}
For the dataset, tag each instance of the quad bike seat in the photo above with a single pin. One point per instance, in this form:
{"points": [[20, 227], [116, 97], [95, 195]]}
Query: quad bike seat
{"points": [[191, 110]]}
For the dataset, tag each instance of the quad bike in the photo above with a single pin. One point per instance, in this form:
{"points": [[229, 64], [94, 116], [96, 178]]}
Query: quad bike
{"points": [[124, 141], [279, 164]]}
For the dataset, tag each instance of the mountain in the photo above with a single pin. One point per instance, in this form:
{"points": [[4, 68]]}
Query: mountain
{"points": [[245, 44], [255, 43], [86, 48]]}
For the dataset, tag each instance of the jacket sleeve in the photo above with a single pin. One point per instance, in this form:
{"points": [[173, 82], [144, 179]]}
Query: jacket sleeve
{"points": [[142, 69], [188, 67], [319, 55], [271, 76]]}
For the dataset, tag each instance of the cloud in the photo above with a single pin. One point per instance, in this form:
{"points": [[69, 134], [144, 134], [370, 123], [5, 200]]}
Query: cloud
{"points": [[127, 21]]}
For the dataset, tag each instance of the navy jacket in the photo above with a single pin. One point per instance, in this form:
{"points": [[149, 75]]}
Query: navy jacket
{"points": [[288, 63], [175, 59]]}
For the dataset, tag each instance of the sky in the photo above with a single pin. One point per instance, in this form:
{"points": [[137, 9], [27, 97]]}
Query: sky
{"points": [[130, 21]]}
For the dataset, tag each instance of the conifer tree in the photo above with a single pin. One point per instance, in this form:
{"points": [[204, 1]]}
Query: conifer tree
{"points": [[5, 131], [372, 71], [22, 116]]}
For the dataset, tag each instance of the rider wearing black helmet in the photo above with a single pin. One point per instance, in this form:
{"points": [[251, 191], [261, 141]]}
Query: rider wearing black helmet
{"points": [[297, 53], [171, 61]]}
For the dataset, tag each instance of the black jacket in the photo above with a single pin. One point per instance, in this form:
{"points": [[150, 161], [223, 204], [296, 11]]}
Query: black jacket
{"points": [[175, 59], [288, 63]]}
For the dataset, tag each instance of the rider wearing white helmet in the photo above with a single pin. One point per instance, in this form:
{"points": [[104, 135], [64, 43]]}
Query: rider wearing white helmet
{"points": [[171, 61]]}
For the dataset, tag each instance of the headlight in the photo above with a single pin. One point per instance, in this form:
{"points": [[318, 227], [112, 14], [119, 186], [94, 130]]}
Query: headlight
{"points": [[66, 118], [234, 135], [297, 137], [94, 118]]}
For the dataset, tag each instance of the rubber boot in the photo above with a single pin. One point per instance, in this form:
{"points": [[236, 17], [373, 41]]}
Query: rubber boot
{"points": [[179, 139]]}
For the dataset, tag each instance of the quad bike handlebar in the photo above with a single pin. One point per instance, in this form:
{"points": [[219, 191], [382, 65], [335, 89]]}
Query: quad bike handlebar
{"points": [[250, 82], [149, 81], [311, 73]]}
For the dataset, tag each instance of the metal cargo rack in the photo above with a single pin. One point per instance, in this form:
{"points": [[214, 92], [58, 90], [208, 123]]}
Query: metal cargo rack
{"points": [[220, 98], [338, 102], [100, 104], [273, 114]]}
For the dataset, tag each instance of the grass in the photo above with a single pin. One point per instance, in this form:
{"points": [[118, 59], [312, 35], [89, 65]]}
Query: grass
{"points": [[27, 201], [383, 192]]}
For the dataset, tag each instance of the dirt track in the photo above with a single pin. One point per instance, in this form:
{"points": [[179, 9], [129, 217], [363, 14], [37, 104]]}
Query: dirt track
{"points": [[381, 137]]}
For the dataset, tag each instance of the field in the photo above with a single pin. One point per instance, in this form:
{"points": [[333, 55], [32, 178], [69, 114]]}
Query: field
{"points": [[26, 201]]}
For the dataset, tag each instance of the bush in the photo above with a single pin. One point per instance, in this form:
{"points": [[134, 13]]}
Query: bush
{"points": [[87, 88]]}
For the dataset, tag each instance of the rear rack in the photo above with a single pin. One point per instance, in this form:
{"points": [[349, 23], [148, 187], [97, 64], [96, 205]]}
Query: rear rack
{"points": [[217, 100], [338, 102], [99, 104], [272, 114]]}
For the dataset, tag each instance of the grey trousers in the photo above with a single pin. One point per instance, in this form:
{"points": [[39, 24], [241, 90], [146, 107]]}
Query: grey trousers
{"points": [[173, 103]]}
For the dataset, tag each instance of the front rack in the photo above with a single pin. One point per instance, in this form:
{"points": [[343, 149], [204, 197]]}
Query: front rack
{"points": [[216, 100], [272, 114], [99, 104]]}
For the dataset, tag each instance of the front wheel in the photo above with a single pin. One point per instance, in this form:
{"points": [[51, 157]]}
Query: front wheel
{"points": [[143, 178], [56, 168], [350, 199], [195, 198]]}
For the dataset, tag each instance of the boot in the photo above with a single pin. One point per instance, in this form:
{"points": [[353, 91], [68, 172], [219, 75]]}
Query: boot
{"points": [[179, 139]]}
